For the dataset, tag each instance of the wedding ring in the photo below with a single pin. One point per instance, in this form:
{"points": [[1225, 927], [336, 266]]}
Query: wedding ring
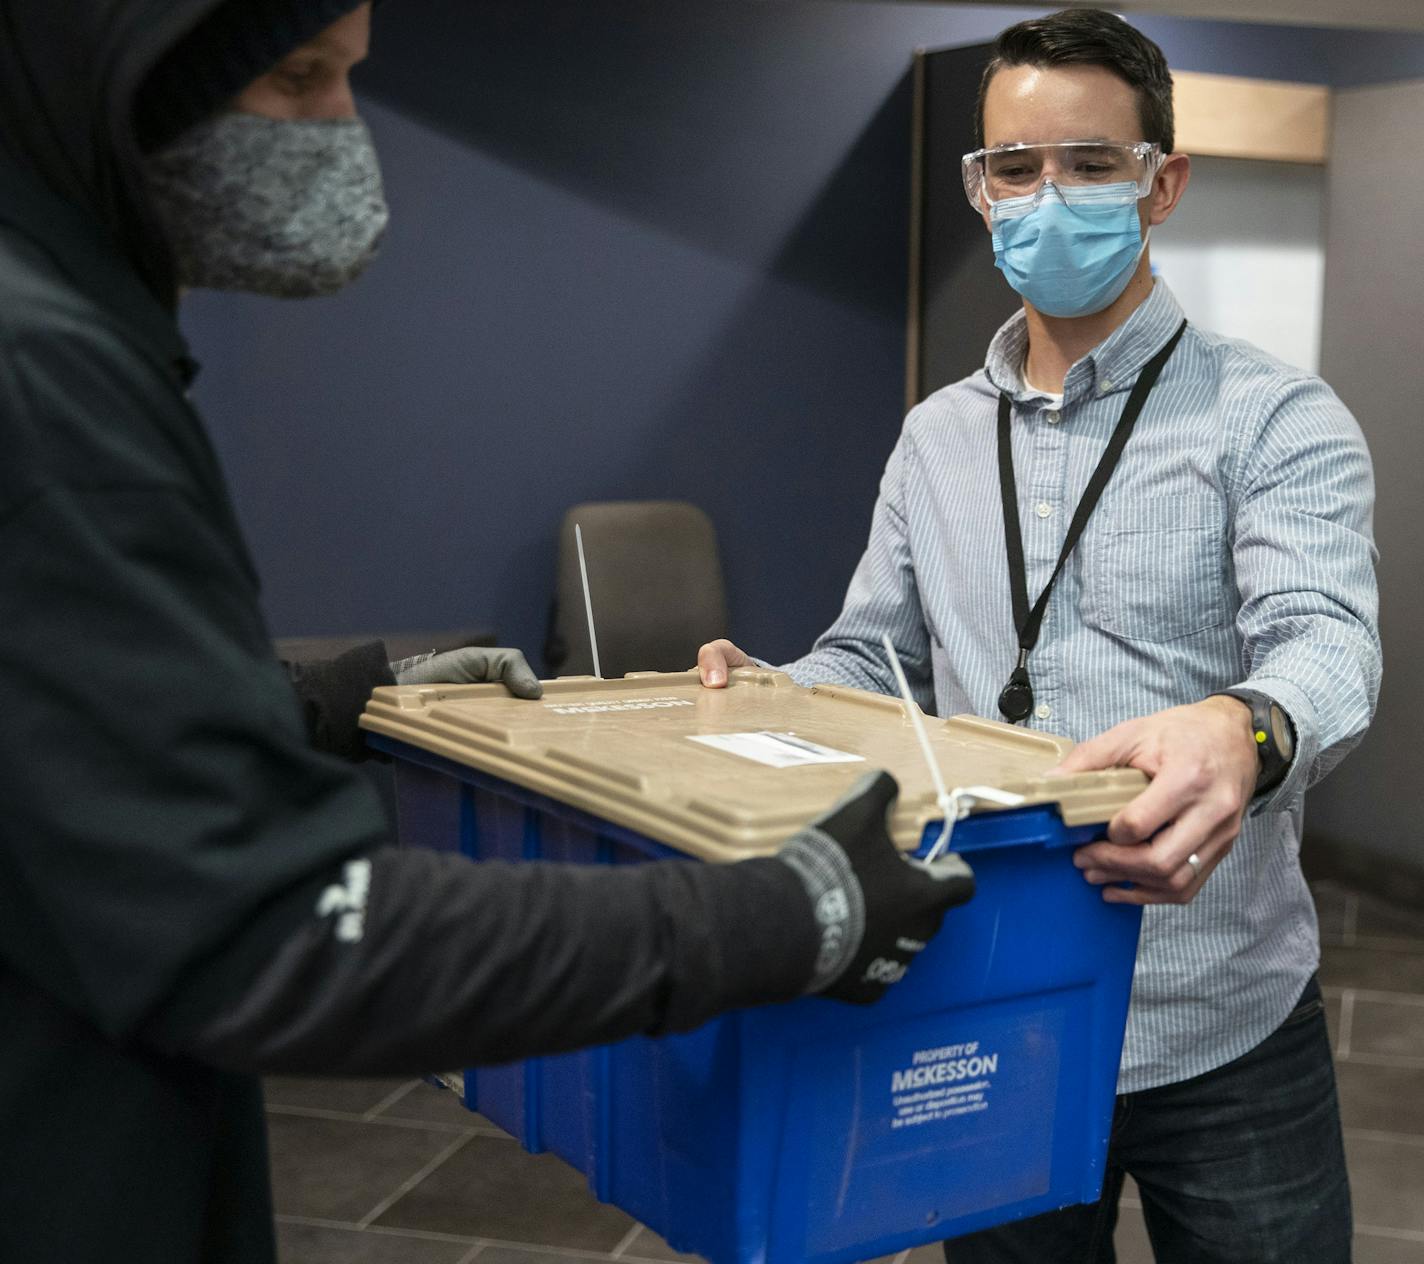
{"points": [[1195, 861]]}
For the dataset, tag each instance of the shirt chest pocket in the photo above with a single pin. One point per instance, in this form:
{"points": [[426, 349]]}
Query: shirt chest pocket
{"points": [[1157, 570]]}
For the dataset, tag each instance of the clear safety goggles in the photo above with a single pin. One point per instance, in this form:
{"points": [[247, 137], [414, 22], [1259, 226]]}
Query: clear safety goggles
{"points": [[1011, 171]]}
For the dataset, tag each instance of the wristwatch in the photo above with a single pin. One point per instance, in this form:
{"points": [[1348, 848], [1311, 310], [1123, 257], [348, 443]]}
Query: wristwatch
{"points": [[1273, 732]]}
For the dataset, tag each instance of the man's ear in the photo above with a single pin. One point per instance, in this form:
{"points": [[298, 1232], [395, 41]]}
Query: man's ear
{"points": [[1168, 187]]}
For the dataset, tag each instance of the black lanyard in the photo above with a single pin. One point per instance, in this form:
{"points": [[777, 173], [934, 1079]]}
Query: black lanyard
{"points": [[1016, 700]]}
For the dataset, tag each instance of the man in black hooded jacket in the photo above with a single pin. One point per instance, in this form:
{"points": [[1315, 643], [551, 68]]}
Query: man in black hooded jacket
{"points": [[168, 834]]}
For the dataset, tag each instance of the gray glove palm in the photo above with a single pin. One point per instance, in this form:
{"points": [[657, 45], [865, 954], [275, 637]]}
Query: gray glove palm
{"points": [[471, 665]]}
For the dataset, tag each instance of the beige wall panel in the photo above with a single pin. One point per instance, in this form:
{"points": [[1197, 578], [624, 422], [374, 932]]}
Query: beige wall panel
{"points": [[1222, 116]]}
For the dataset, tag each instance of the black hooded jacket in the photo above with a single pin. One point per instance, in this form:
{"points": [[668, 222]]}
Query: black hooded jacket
{"points": [[166, 830]]}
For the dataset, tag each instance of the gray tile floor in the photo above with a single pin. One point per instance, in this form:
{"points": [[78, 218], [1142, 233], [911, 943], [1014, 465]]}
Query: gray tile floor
{"points": [[396, 1172]]}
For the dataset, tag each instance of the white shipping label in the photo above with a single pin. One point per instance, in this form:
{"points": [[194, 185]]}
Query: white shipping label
{"points": [[779, 750]]}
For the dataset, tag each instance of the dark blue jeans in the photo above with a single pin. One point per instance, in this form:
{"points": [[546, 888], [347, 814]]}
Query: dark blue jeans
{"points": [[1242, 1165]]}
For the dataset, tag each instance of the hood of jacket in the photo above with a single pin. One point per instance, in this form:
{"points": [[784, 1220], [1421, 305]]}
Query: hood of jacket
{"points": [[69, 74]]}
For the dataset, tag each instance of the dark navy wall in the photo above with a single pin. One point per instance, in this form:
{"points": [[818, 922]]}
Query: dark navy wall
{"points": [[1340, 58], [640, 248]]}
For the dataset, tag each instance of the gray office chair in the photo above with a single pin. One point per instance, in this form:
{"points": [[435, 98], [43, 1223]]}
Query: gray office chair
{"points": [[655, 575]]}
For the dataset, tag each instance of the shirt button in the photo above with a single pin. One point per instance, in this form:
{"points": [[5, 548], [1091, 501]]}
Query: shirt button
{"points": [[1105, 386], [1043, 711], [1044, 510], [1051, 416]]}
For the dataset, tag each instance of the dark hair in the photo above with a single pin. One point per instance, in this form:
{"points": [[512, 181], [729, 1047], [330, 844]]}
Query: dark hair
{"points": [[1089, 37]]}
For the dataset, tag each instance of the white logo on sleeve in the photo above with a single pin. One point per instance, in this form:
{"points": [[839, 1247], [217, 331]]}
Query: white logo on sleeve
{"points": [[832, 912], [348, 901], [884, 970], [832, 907]]}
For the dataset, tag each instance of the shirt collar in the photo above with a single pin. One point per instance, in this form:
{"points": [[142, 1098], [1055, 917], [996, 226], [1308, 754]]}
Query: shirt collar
{"points": [[92, 264], [1111, 366]]}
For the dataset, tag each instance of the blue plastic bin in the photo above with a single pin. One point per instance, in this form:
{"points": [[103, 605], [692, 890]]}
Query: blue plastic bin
{"points": [[980, 1091]]}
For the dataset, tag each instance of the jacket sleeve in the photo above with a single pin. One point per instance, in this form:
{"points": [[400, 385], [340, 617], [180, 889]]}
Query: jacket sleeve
{"points": [[333, 692], [177, 864], [404, 961]]}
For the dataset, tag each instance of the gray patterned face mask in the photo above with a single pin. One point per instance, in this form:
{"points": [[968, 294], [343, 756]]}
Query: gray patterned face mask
{"points": [[287, 208]]}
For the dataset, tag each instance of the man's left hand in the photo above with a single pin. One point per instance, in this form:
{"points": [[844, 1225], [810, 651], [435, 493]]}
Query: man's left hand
{"points": [[1203, 766]]}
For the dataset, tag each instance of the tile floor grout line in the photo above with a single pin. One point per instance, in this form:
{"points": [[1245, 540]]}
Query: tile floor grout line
{"points": [[1347, 1024], [425, 1125], [1378, 1134], [1401, 1061], [1351, 921], [460, 1239], [1405, 944], [314, 1222], [409, 1184], [563, 1252], [389, 1100], [1399, 1235], [1375, 996], [391, 1231], [630, 1259], [626, 1241], [473, 1253], [424, 1235]]}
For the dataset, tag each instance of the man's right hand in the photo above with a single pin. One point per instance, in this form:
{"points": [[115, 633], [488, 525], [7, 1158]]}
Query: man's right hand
{"points": [[874, 906], [716, 659]]}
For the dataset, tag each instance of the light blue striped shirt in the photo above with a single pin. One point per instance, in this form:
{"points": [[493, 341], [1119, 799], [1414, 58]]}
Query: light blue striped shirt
{"points": [[1232, 546]]}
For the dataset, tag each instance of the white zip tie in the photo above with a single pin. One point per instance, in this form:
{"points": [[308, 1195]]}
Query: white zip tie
{"points": [[989, 794], [943, 798], [587, 601], [965, 798], [957, 803]]}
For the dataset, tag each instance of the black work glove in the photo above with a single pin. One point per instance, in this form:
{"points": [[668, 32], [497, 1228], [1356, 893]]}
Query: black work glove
{"points": [[472, 665], [875, 906]]}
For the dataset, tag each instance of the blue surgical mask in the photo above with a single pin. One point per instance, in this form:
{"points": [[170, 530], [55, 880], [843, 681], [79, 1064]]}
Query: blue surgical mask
{"points": [[1069, 251]]}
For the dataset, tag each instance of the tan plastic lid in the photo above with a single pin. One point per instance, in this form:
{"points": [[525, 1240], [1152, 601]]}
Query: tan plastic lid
{"points": [[728, 773]]}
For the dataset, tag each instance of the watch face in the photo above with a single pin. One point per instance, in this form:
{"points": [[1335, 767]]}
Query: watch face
{"points": [[1281, 733]]}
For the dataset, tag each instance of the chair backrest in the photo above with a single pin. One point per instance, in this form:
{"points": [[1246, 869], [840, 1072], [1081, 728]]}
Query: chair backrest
{"points": [[305, 649], [655, 576]]}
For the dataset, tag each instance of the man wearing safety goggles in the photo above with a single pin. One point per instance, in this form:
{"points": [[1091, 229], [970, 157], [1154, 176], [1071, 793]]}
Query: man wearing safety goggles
{"points": [[1066, 220], [1156, 540]]}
